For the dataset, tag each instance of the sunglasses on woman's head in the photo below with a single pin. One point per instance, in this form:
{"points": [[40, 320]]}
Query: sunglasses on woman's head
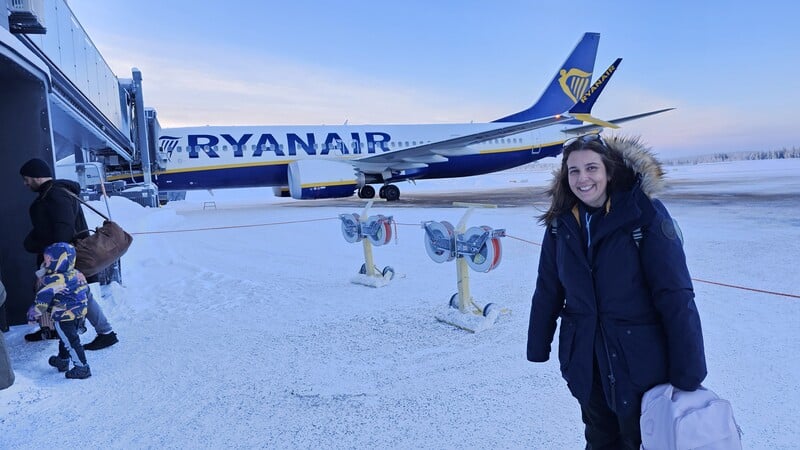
{"points": [[585, 139]]}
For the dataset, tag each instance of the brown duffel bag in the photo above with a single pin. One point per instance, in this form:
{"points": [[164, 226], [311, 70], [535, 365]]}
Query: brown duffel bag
{"points": [[100, 249], [103, 247]]}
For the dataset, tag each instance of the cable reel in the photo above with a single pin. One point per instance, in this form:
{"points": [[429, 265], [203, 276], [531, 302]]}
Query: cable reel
{"points": [[483, 250], [378, 229], [351, 227], [440, 241], [480, 246]]}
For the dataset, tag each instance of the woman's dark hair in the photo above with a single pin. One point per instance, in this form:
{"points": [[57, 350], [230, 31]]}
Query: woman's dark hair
{"points": [[619, 176]]}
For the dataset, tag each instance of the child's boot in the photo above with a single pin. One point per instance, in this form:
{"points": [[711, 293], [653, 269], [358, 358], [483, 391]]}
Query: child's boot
{"points": [[79, 372], [59, 363]]}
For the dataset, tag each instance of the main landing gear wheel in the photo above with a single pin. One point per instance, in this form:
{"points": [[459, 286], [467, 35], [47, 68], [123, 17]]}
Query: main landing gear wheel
{"points": [[390, 192], [366, 191]]}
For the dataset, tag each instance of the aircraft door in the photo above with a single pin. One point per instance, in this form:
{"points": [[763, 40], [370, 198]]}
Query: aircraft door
{"points": [[534, 140], [24, 134]]}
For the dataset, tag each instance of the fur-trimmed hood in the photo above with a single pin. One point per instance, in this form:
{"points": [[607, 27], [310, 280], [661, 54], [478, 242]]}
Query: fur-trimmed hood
{"points": [[640, 166]]}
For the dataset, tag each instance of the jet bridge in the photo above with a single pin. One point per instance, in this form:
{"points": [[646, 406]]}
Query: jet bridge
{"points": [[60, 102]]}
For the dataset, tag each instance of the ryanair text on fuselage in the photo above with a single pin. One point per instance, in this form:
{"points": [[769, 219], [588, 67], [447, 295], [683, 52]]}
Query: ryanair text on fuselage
{"points": [[370, 142]]}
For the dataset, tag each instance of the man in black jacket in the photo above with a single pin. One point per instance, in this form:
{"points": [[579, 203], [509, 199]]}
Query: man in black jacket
{"points": [[56, 216]]}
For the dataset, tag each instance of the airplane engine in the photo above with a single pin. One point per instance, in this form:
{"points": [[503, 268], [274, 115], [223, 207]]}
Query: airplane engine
{"points": [[314, 178]]}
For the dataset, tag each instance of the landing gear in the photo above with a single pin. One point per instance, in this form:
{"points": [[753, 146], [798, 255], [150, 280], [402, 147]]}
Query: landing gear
{"points": [[366, 191], [390, 192]]}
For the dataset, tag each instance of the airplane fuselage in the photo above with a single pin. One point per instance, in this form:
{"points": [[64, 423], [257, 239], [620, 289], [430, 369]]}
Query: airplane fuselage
{"points": [[315, 162], [241, 156]]}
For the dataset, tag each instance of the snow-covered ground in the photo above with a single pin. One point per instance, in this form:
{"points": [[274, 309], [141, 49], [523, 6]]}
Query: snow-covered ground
{"points": [[247, 332]]}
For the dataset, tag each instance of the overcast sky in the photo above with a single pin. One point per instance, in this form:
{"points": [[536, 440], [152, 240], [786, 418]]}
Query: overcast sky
{"points": [[729, 71]]}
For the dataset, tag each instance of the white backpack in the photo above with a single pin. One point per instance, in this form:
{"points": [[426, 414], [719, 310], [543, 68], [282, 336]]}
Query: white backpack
{"points": [[673, 419]]}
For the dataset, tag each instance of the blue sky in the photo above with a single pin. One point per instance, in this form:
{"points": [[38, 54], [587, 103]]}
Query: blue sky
{"points": [[729, 68]]}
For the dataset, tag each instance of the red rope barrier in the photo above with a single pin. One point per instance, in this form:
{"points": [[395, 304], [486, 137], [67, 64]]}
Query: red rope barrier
{"points": [[744, 288], [524, 240], [232, 226], [697, 279]]}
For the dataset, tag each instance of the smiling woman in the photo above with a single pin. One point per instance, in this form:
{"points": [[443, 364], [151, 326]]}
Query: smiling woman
{"points": [[587, 177], [629, 322]]}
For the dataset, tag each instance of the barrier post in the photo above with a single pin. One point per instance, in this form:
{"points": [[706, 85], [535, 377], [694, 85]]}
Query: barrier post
{"points": [[462, 273], [368, 260], [372, 231], [462, 270], [477, 248]]}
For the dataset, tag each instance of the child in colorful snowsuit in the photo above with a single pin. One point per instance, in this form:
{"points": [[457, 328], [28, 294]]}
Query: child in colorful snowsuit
{"points": [[64, 295]]}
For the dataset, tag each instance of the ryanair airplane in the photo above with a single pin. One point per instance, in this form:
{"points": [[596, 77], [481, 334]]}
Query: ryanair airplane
{"points": [[313, 162]]}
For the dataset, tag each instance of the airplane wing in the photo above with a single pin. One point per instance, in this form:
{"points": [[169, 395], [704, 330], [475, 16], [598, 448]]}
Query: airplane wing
{"points": [[421, 155], [583, 129]]}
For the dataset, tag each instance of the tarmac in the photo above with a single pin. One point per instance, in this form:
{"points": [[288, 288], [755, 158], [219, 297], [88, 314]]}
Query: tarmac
{"points": [[684, 191]]}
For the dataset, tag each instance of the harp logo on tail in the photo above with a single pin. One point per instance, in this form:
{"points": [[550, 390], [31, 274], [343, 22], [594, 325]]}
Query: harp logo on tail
{"points": [[574, 82]]}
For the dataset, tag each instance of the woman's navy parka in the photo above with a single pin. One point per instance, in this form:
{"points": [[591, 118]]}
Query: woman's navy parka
{"points": [[632, 308]]}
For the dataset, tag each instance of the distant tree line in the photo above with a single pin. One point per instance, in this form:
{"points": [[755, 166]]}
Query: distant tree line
{"points": [[783, 153], [550, 165]]}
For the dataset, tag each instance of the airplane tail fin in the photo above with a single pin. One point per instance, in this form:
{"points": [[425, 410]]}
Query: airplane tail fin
{"points": [[583, 108], [568, 85]]}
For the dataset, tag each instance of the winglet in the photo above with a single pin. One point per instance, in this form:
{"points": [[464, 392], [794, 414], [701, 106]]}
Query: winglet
{"points": [[583, 108]]}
